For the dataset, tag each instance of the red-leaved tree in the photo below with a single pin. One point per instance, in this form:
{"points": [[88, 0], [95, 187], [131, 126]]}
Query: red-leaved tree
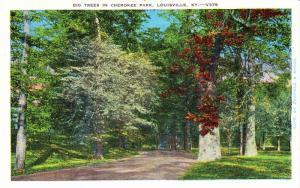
{"points": [[199, 58]]}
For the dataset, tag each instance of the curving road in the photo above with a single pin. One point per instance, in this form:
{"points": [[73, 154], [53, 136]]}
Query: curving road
{"points": [[148, 165]]}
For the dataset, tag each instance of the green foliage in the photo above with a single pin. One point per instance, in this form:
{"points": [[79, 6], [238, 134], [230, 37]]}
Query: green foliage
{"points": [[112, 92], [54, 41], [273, 112]]}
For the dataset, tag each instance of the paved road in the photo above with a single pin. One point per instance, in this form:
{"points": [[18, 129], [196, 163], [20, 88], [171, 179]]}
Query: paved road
{"points": [[148, 165]]}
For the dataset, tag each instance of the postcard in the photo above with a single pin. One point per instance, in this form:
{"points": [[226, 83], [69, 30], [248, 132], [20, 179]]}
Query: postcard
{"points": [[105, 92]]}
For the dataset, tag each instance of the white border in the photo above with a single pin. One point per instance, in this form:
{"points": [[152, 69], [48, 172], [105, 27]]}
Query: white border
{"points": [[68, 4]]}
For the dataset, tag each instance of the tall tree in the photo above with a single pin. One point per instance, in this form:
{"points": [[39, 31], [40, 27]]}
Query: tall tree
{"points": [[219, 29], [21, 135], [111, 94]]}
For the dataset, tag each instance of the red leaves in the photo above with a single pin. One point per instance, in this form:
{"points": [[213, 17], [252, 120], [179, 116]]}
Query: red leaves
{"points": [[203, 82], [269, 13], [215, 14], [231, 38], [208, 41], [221, 98], [208, 15], [237, 40], [204, 61], [226, 32], [181, 55], [202, 68], [190, 116], [219, 14], [187, 50], [203, 132], [190, 69], [265, 14], [217, 24], [198, 55], [198, 39], [244, 13], [207, 76], [175, 68], [198, 75], [207, 108], [209, 122], [209, 114], [259, 14]]}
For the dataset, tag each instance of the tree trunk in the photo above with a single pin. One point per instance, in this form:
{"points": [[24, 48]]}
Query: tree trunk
{"points": [[278, 144], [173, 142], [97, 22], [21, 136], [229, 139], [239, 95], [173, 135], [264, 142], [157, 136], [186, 136], [98, 149], [169, 142], [247, 130], [122, 142], [241, 141], [250, 144], [242, 138], [250, 140], [26, 36], [259, 143], [209, 146]]}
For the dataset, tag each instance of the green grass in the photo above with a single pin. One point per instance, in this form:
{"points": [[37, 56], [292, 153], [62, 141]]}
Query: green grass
{"points": [[60, 157], [266, 165]]}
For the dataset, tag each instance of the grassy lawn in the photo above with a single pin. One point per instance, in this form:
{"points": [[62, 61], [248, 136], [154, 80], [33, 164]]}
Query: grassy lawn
{"points": [[59, 158], [266, 165]]}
